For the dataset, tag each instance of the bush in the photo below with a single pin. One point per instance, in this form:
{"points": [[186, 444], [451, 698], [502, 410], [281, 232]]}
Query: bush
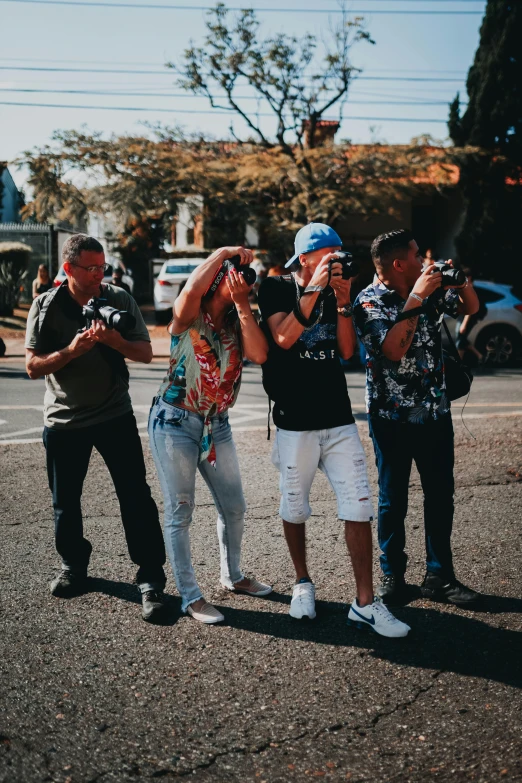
{"points": [[14, 260]]}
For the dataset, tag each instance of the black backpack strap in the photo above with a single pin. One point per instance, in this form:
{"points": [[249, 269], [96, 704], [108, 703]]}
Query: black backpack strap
{"points": [[453, 348]]}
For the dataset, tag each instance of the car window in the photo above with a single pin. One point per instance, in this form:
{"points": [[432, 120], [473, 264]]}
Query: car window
{"points": [[181, 269], [486, 296]]}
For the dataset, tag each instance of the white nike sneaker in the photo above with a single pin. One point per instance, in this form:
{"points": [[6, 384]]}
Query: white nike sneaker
{"points": [[303, 601], [378, 618]]}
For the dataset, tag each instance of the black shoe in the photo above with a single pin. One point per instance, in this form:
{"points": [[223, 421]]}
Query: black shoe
{"points": [[449, 591], [392, 590], [68, 584], [153, 602]]}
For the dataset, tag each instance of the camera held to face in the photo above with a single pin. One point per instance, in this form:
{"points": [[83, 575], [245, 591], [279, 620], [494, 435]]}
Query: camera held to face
{"points": [[97, 309], [450, 276], [350, 267], [248, 273]]}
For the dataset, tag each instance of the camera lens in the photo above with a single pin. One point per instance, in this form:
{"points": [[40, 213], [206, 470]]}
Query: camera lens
{"points": [[249, 274]]}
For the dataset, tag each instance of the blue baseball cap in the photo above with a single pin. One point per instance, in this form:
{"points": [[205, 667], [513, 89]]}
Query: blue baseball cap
{"points": [[314, 236]]}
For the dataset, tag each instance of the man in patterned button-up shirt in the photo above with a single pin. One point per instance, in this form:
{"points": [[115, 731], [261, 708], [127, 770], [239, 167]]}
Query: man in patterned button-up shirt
{"points": [[409, 410]]}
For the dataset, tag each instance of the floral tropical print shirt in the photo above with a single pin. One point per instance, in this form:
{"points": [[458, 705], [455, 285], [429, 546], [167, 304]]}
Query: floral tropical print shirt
{"points": [[204, 374], [414, 389]]}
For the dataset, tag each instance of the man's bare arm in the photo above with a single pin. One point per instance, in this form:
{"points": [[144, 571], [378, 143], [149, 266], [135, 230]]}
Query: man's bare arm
{"points": [[39, 364], [400, 336]]}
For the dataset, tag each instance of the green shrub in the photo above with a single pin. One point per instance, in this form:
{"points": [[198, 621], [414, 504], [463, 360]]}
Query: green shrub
{"points": [[14, 261]]}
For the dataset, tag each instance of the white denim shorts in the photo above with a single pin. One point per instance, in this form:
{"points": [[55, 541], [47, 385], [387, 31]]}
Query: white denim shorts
{"points": [[339, 453]]}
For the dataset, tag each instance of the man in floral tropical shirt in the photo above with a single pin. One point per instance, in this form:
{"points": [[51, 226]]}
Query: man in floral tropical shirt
{"points": [[409, 410]]}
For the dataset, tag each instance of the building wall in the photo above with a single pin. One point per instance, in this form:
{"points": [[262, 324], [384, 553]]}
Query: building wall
{"points": [[435, 220], [11, 202]]}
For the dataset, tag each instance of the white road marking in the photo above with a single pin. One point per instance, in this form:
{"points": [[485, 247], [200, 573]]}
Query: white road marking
{"points": [[3, 421], [18, 441], [21, 407], [21, 432]]}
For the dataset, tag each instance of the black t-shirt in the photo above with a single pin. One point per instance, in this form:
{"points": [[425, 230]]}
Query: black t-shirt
{"points": [[313, 392]]}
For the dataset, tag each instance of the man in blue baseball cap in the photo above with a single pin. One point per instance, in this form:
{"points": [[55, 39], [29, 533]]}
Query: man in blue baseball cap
{"points": [[308, 323]]}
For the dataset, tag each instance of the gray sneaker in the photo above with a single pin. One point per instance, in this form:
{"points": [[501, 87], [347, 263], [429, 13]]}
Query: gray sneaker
{"points": [[68, 584], [153, 603]]}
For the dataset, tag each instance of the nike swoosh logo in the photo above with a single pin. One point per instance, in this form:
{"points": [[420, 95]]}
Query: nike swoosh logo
{"points": [[371, 621]]}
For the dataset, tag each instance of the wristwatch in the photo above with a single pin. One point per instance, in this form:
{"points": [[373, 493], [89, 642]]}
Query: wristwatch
{"points": [[312, 289], [345, 311]]}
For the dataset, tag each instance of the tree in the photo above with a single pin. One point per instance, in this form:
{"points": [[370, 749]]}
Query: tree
{"points": [[283, 72], [491, 174]]}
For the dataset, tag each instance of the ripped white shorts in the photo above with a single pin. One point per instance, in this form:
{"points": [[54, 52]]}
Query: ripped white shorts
{"points": [[339, 453]]}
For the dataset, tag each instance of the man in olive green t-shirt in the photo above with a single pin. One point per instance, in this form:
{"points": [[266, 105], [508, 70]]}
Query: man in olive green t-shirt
{"points": [[87, 405]]}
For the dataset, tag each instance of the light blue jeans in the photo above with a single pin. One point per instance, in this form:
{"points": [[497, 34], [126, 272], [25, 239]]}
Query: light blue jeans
{"points": [[175, 435]]}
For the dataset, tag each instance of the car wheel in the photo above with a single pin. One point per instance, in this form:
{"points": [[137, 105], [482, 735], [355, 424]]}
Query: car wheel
{"points": [[499, 346], [163, 316]]}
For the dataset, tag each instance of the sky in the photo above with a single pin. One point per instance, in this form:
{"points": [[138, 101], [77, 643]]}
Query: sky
{"points": [[52, 47]]}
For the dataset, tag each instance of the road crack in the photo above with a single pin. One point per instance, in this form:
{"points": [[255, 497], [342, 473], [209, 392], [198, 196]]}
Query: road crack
{"points": [[339, 726]]}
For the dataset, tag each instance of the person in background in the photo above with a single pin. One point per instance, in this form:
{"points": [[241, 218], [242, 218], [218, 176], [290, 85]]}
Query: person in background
{"points": [[276, 270], [429, 258], [466, 324], [42, 282], [117, 279]]}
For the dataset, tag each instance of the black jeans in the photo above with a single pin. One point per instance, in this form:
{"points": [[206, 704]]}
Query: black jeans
{"points": [[68, 455], [431, 446]]}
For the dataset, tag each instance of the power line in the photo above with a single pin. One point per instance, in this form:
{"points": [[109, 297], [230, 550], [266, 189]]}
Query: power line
{"points": [[159, 65], [192, 111], [218, 97], [170, 73], [154, 7]]}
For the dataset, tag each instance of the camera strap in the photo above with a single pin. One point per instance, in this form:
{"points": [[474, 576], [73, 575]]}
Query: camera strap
{"points": [[298, 313], [213, 287], [409, 314]]}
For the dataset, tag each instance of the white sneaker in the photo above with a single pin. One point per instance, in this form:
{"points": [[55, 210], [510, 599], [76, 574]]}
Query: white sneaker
{"points": [[303, 601], [378, 618]]}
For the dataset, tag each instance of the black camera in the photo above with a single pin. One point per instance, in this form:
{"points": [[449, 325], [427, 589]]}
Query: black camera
{"points": [[350, 268], [97, 309], [248, 273], [450, 276]]}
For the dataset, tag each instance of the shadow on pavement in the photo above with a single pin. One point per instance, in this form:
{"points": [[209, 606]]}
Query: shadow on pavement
{"points": [[129, 592], [439, 639]]}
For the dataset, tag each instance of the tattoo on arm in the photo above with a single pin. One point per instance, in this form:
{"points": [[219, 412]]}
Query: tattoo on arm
{"points": [[410, 331]]}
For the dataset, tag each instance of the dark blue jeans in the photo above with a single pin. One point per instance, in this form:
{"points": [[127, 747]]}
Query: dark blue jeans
{"points": [[68, 455], [430, 445]]}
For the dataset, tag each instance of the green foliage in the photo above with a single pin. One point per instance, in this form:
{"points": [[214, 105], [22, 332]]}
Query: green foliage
{"points": [[142, 180], [14, 261], [491, 174]]}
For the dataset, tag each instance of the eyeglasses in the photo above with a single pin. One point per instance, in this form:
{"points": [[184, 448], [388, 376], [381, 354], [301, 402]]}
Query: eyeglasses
{"points": [[94, 268]]}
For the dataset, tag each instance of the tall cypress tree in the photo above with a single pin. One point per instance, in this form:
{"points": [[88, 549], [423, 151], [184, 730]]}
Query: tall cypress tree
{"points": [[491, 177]]}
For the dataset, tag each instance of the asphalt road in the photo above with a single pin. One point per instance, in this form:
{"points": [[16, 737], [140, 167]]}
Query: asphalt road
{"points": [[89, 692], [497, 394]]}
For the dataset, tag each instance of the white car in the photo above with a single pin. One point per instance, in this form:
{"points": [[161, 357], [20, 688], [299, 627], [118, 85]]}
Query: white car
{"points": [[170, 281], [498, 335], [107, 278]]}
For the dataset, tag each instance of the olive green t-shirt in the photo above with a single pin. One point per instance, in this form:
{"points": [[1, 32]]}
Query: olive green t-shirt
{"points": [[88, 390]]}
